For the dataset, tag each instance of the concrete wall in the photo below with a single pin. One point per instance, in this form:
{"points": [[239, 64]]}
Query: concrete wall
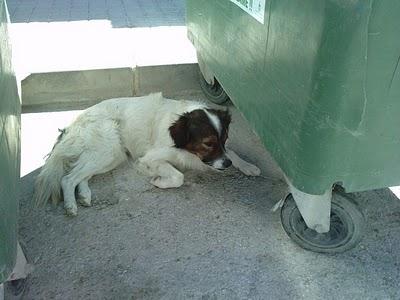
{"points": [[79, 89]]}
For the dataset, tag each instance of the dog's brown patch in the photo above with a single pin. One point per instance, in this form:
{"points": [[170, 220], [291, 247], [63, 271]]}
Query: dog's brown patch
{"points": [[194, 132]]}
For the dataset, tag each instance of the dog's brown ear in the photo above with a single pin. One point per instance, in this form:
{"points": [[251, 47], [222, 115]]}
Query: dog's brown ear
{"points": [[179, 131], [225, 117]]}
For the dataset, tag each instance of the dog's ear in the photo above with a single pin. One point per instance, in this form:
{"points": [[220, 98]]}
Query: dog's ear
{"points": [[225, 117], [179, 131]]}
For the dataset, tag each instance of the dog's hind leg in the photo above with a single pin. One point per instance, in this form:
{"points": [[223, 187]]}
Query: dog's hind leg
{"points": [[84, 193], [88, 164], [68, 184]]}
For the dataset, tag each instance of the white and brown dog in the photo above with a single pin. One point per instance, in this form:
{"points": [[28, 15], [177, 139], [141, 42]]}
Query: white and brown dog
{"points": [[164, 136]]}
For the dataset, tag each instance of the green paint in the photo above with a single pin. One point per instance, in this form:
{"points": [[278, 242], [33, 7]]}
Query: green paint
{"points": [[319, 82], [9, 152]]}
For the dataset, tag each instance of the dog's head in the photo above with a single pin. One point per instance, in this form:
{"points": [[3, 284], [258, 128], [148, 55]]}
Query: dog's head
{"points": [[203, 132]]}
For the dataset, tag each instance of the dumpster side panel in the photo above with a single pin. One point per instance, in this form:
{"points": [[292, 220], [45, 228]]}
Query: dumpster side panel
{"points": [[318, 81], [330, 132], [267, 69], [377, 155], [9, 152]]}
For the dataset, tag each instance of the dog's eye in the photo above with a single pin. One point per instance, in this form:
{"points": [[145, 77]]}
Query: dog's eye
{"points": [[208, 144]]}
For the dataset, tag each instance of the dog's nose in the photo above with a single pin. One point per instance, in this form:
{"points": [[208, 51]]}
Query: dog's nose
{"points": [[227, 163]]}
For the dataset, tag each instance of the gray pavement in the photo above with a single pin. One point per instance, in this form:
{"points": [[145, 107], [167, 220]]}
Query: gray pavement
{"points": [[213, 238], [121, 13]]}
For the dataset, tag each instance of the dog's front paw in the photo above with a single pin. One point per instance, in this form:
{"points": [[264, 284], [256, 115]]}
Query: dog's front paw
{"points": [[85, 201], [71, 209], [249, 169], [166, 182]]}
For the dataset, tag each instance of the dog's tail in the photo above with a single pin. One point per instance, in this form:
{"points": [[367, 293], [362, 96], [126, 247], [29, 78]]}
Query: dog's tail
{"points": [[48, 182]]}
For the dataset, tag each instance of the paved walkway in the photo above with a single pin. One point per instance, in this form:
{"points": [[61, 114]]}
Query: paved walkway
{"points": [[64, 35], [122, 13]]}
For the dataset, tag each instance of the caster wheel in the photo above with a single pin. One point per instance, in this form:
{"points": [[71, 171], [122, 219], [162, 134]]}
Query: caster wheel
{"points": [[214, 92], [15, 289], [346, 228]]}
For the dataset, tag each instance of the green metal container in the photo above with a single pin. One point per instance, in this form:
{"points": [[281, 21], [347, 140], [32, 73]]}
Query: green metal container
{"points": [[318, 80], [9, 152]]}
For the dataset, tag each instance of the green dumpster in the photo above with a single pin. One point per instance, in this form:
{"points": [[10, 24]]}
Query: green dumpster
{"points": [[9, 153], [319, 81]]}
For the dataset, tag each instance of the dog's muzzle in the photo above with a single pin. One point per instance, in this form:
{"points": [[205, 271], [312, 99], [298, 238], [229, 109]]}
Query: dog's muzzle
{"points": [[221, 163]]}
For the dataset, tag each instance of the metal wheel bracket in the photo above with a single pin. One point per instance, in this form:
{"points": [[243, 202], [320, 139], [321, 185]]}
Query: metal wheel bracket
{"points": [[315, 209], [21, 268]]}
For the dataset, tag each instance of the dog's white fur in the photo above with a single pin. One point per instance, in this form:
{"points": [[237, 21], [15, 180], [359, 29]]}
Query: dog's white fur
{"points": [[101, 138]]}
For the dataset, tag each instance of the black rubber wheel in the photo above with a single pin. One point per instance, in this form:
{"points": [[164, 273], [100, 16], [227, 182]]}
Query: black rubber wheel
{"points": [[15, 289], [214, 92], [346, 228]]}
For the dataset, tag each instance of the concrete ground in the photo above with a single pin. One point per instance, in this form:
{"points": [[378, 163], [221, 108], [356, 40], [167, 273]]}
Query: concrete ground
{"points": [[213, 238]]}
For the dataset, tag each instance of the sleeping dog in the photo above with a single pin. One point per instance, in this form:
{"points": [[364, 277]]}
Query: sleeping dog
{"points": [[163, 136]]}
